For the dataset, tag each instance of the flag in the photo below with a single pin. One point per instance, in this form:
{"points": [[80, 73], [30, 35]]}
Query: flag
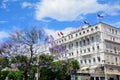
{"points": [[100, 16], [60, 34], [86, 22]]}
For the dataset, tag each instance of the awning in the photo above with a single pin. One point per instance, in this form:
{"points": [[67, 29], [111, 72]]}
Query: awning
{"points": [[113, 73], [84, 68], [93, 67]]}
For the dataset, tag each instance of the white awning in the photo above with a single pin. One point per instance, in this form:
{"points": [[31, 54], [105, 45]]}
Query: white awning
{"points": [[113, 73], [93, 67], [84, 68]]}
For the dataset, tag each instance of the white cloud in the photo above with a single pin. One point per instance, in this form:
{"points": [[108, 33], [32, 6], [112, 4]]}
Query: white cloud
{"points": [[54, 33], [27, 4], [3, 5], [3, 35], [3, 21], [69, 10]]}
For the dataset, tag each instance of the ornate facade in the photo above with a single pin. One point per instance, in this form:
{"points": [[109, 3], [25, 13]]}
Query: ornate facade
{"points": [[97, 48]]}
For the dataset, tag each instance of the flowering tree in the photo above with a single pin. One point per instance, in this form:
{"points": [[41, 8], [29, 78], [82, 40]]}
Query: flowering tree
{"points": [[22, 43]]}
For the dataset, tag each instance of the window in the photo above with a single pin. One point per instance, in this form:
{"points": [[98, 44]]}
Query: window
{"points": [[59, 41], [88, 41], [69, 46], [65, 55], [62, 40], [89, 61], [65, 39], [71, 36], [92, 38], [84, 50], [88, 49], [80, 43], [77, 52], [84, 42], [115, 49], [93, 48], [80, 33], [87, 30], [91, 29], [81, 61], [93, 59], [76, 35], [116, 31], [80, 51], [112, 30], [76, 44], [72, 54], [69, 54], [113, 39], [83, 31], [96, 27], [97, 38], [98, 59], [116, 59], [97, 47], [85, 61]]}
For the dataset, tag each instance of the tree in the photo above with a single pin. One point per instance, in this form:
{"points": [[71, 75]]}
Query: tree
{"points": [[23, 43], [29, 39], [60, 70], [3, 74], [15, 75]]}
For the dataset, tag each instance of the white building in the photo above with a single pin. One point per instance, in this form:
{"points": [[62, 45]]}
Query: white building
{"points": [[97, 48]]}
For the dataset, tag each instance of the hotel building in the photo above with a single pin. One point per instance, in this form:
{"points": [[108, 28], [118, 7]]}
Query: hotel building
{"points": [[97, 49]]}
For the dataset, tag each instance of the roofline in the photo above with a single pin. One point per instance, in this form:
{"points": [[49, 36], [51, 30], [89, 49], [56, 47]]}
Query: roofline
{"points": [[91, 26]]}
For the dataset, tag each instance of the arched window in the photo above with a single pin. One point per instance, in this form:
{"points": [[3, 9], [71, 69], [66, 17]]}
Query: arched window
{"points": [[84, 42], [92, 39], [76, 44], [91, 29], [88, 41], [98, 59]]}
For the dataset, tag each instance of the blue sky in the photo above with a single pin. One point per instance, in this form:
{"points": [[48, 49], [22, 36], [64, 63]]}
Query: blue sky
{"points": [[55, 15]]}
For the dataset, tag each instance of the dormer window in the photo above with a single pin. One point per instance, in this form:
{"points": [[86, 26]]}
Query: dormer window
{"points": [[80, 33], [96, 27], [76, 35], [83, 32], [87, 30], [91, 29]]}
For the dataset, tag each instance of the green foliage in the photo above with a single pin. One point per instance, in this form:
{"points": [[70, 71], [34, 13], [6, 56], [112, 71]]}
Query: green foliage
{"points": [[58, 70], [48, 69], [15, 75], [3, 63], [19, 59], [23, 60], [3, 75]]}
